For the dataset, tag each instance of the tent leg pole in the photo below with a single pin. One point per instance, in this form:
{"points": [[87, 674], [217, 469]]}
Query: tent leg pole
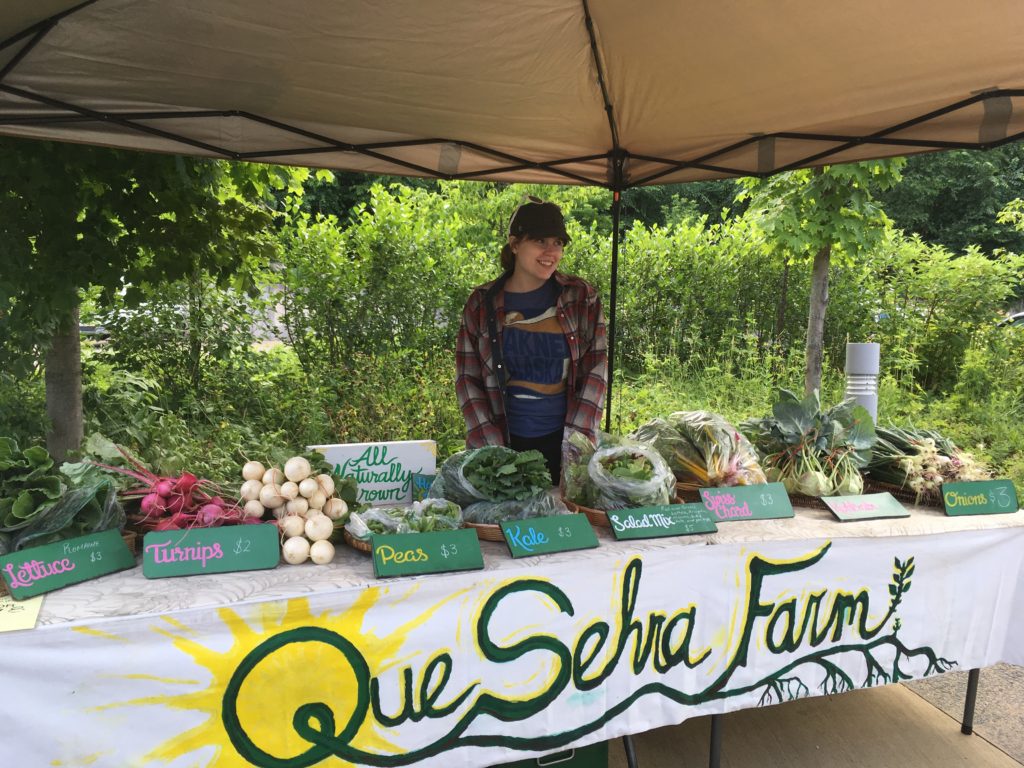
{"points": [[616, 212], [627, 743], [967, 727], [715, 757]]}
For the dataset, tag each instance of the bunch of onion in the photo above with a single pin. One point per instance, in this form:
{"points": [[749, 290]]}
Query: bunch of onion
{"points": [[921, 460]]}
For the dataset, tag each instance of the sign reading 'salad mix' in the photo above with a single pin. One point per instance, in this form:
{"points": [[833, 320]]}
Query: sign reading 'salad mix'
{"points": [[485, 668]]}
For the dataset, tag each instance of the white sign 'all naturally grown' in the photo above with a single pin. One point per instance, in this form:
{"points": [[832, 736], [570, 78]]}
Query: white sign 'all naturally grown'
{"points": [[383, 470]]}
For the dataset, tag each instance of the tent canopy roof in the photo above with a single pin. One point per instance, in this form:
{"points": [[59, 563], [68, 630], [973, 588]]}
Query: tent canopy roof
{"points": [[556, 91]]}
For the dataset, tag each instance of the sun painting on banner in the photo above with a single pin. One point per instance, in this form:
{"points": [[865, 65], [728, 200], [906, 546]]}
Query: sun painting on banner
{"points": [[269, 698]]}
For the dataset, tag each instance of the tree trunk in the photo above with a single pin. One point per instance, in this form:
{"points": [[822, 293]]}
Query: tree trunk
{"points": [[195, 333], [64, 390], [816, 319], [780, 310]]}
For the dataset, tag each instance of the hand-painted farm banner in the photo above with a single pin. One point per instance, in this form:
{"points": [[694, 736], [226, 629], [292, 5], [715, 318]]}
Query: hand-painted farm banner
{"points": [[484, 668]]}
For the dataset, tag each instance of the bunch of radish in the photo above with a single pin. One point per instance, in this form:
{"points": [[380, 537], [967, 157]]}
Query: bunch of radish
{"points": [[176, 503], [303, 503]]}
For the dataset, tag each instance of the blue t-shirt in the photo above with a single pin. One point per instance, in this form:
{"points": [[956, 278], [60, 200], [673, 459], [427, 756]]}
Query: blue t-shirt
{"points": [[537, 360]]}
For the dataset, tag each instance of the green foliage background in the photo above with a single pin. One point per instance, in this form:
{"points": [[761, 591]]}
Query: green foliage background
{"points": [[343, 328]]}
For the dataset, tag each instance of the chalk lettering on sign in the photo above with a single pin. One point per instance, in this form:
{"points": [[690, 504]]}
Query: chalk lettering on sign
{"points": [[529, 540], [389, 554], [724, 506], [30, 572], [164, 553], [72, 548], [954, 499]]}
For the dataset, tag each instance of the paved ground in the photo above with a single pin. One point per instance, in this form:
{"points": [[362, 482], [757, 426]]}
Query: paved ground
{"points": [[888, 727], [999, 710]]}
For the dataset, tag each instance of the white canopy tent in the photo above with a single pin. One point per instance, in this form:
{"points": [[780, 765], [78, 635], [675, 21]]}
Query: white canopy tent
{"points": [[602, 92]]}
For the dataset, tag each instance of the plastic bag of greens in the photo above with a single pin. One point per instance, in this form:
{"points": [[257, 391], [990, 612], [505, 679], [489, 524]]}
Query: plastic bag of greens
{"points": [[491, 473], [494, 512], [616, 473], [89, 509], [703, 449], [377, 520]]}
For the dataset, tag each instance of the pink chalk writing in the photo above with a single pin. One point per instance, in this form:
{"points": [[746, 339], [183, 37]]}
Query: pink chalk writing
{"points": [[854, 506], [32, 571], [724, 506], [165, 553]]}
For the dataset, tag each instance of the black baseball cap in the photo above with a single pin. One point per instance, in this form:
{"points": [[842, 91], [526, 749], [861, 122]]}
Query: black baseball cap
{"points": [[538, 219]]}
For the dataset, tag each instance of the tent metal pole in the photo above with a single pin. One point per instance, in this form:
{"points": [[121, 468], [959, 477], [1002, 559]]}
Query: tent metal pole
{"points": [[616, 210]]}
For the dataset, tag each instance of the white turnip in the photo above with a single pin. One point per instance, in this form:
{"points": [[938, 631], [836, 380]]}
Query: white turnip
{"points": [[297, 469], [290, 490], [326, 483], [308, 487], [321, 552], [319, 527], [292, 526], [317, 500], [270, 496], [297, 507], [250, 490], [335, 508], [253, 470], [295, 550], [273, 476], [253, 508]]}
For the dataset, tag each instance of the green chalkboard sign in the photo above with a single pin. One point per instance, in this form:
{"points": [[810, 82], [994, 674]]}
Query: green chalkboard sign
{"points": [[747, 502], [980, 497], [869, 506], [408, 554], [544, 535], [42, 569], [663, 520], [210, 550]]}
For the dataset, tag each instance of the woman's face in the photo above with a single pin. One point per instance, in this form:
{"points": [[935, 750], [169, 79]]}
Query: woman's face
{"points": [[537, 257]]}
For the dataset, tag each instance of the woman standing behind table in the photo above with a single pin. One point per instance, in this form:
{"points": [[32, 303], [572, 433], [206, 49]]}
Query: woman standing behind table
{"points": [[532, 359]]}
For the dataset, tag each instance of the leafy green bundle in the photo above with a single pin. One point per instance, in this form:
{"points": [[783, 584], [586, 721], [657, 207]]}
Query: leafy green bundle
{"points": [[492, 473], [703, 449], [812, 451], [29, 485], [616, 473], [37, 507]]}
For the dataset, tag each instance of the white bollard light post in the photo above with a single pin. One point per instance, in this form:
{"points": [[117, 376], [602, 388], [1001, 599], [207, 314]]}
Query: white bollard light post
{"points": [[862, 363]]}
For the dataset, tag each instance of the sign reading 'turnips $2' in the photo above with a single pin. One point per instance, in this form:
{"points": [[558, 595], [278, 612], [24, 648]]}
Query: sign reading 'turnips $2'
{"points": [[382, 470]]}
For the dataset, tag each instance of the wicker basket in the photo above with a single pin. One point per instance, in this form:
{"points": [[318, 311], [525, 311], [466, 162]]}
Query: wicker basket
{"points": [[597, 516], [360, 544], [486, 531]]}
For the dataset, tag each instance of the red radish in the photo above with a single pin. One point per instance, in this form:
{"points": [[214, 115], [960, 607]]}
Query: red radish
{"points": [[164, 487], [186, 483]]}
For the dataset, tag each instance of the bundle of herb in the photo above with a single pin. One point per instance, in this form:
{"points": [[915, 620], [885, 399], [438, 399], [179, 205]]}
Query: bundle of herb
{"points": [[921, 460], [811, 451], [492, 473]]}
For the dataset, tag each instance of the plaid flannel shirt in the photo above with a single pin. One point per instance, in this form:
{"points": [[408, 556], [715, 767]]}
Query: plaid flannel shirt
{"points": [[476, 382]]}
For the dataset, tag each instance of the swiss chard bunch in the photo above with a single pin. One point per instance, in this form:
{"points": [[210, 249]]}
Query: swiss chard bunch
{"points": [[812, 451]]}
